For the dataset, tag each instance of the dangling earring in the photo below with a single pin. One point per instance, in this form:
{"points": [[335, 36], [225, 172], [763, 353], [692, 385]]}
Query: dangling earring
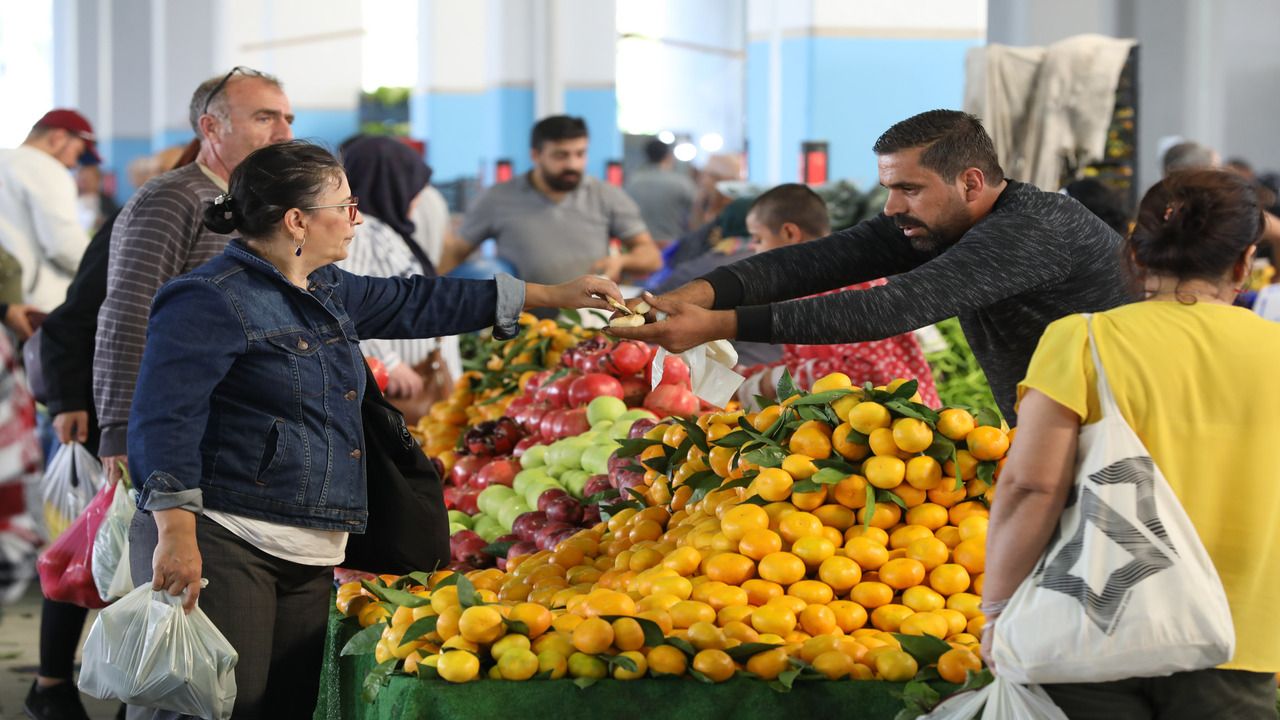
{"points": [[299, 243]]}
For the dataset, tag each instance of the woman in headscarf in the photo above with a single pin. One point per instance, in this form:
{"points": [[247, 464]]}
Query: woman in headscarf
{"points": [[388, 177]]}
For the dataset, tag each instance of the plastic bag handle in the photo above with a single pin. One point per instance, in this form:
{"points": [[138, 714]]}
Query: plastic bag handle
{"points": [[176, 600]]}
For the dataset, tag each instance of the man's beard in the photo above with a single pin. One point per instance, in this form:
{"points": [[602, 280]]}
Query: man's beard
{"points": [[933, 239], [565, 181]]}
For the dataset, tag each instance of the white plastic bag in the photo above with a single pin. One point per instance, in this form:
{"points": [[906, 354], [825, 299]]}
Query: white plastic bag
{"points": [[145, 651], [71, 480], [1000, 700], [110, 547], [122, 580], [1125, 588]]}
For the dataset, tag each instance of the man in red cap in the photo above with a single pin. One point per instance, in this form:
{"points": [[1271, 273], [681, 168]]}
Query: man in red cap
{"points": [[39, 222]]}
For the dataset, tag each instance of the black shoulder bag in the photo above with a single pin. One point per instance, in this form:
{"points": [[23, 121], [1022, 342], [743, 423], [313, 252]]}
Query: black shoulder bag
{"points": [[408, 528]]}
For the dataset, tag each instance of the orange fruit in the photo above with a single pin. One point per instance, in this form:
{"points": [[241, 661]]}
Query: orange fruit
{"points": [[929, 515], [968, 465], [955, 423], [890, 617], [945, 494], [966, 603], [923, 599], [868, 553], [705, 635], [760, 592], [766, 418], [812, 439], [799, 467], [911, 497], [684, 561], [666, 660], [884, 472], [885, 515], [783, 568], [850, 492], [715, 664], [537, 618], [458, 667], [907, 534], [956, 621], [809, 500], [868, 416], [773, 484], [912, 435], [832, 381], [813, 550], [730, 568], [972, 555], [835, 516], [799, 524], [768, 665], [962, 511], [757, 543], [720, 459], [481, 624], [896, 666], [592, 636], [923, 473], [813, 592], [833, 664], [925, 623], [627, 634], [871, 533], [987, 443], [846, 445], [973, 527], [740, 519], [882, 444], [871, 595], [902, 573], [849, 615], [688, 612], [954, 665], [841, 573], [774, 619], [930, 551]]}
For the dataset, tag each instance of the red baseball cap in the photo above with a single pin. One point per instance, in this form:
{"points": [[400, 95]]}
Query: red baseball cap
{"points": [[74, 123]]}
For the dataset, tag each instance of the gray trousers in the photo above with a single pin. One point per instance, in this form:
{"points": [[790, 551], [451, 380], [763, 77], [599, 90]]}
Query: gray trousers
{"points": [[272, 611], [1195, 695]]}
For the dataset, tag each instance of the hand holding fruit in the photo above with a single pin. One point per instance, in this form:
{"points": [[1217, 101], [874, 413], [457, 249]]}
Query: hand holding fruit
{"points": [[685, 326], [588, 291]]}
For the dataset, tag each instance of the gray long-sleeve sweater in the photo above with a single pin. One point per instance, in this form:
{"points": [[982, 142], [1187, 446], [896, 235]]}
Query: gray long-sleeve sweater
{"points": [[1036, 257]]}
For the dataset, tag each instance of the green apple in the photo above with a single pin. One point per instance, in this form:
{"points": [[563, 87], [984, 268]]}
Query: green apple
{"points": [[536, 489], [461, 518], [605, 407], [524, 477], [567, 454], [455, 527], [574, 481], [595, 459], [636, 414], [489, 527], [491, 498], [509, 513], [534, 456]]}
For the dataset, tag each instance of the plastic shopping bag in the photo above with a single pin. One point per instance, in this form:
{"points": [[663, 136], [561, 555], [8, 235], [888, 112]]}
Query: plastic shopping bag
{"points": [[110, 546], [122, 579], [145, 651], [1000, 700], [1124, 588], [66, 567], [71, 480]]}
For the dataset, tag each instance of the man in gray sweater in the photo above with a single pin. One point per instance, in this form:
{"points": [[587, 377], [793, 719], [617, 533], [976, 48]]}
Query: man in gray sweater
{"points": [[159, 234], [955, 238]]}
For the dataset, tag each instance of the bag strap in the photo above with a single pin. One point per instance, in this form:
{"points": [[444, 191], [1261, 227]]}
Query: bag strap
{"points": [[1106, 398]]}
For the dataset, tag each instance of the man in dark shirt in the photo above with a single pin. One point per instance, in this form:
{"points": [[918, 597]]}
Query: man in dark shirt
{"points": [[955, 238]]}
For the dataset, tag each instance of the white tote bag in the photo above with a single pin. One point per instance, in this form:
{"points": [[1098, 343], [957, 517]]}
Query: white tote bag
{"points": [[1125, 587]]}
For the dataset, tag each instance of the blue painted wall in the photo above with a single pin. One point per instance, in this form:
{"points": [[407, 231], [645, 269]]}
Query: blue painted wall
{"points": [[848, 91], [328, 127], [599, 107], [116, 154], [467, 132]]}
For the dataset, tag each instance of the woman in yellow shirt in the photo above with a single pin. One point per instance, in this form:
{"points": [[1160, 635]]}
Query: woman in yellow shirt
{"points": [[1195, 378]]}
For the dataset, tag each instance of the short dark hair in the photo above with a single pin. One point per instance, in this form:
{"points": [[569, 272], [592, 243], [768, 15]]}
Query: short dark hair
{"points": [[793, 203], [953, 141], [267, 184], [1195, 224], [204, 96], [557, 128], [656, 151]]}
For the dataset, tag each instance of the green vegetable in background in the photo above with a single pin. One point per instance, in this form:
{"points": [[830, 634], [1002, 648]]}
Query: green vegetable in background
{"points": [[956, 372]]}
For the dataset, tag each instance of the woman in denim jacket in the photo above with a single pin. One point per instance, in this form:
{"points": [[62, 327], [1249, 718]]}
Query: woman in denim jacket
{"points": [[246, 433]]}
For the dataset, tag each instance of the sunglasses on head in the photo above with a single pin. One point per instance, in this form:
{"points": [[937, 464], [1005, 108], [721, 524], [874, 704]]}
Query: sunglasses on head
{"points": [[246, 71], [352, 207]]}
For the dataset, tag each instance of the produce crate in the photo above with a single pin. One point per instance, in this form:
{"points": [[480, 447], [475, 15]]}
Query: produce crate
{"points": [[407, 697]]}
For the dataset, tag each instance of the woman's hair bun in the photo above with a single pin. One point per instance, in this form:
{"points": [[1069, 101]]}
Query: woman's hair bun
{"points": [[220, 215]]}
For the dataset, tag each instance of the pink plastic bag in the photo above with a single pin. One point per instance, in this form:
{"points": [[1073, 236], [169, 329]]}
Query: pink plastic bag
{"points": [[66, 568]]}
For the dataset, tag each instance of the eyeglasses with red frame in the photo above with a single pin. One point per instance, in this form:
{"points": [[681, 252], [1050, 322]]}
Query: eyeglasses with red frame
{"points": [[352, 207]]}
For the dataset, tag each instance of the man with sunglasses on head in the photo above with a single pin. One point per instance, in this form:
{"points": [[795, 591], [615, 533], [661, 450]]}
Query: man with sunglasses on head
{"points": [[160, 235]]}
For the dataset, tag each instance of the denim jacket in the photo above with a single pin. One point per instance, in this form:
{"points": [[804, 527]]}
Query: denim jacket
{"points": [[248, 398]]}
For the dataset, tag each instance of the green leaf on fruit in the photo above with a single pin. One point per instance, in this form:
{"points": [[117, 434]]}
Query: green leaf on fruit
{"points": [[571, 316], [809, 412], [420, 627], [755, 500], [637, 495], [516, 626], [988, 417], [856, 437], [926, 649], [915, 410], [829, 476], [942, 449], [544, 675], [805, 486], [603, 496], [585, 682], [703, 483], [737, 438], [700, 677], [450, 579], [467, 595], [682, 645], [497, 549], [632, 447], [787, 678], [887, 496], [786, 386], [739, 483], [393, 596], [870, 505], [976, 680], [907, 389], [987, 471], [784, 419], [745, 651], [377, 679], [823, 398], [695, 433], [657, 464], [365, 641], [621, 661], [928, 674], [421, 578], [746, 427], [766, 456], [836, 463]]}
